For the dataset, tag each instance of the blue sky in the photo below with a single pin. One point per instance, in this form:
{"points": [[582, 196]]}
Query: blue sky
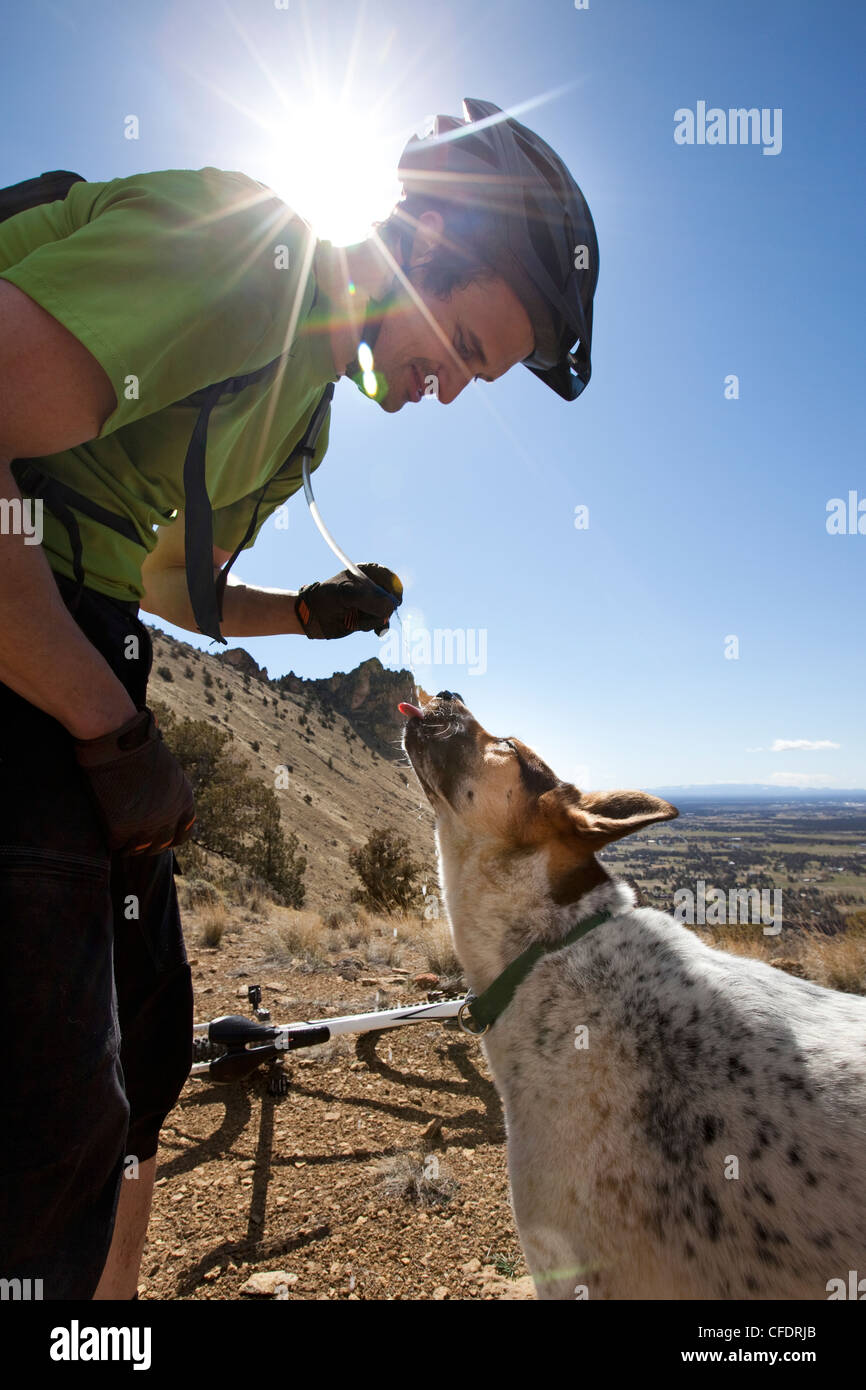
{"points": [[604, 647]]}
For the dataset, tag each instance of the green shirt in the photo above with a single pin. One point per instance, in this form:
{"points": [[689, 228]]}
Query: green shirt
{"points": [[173, 281]]}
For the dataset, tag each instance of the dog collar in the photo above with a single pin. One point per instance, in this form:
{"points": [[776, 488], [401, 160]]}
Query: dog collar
{"points": [[484, 1009]]}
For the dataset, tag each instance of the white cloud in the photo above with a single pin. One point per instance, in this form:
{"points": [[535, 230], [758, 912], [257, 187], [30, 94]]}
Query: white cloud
{"points": [[804, 745], [800, 779]]}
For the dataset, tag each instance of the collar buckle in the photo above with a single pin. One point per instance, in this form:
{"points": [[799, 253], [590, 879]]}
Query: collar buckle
{"points": [[466, 1008]]}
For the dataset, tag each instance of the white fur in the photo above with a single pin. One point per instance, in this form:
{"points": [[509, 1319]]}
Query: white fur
{"points": [[698, 1064]]}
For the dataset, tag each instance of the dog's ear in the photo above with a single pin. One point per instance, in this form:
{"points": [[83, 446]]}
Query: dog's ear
{"points": [[599, 817]]}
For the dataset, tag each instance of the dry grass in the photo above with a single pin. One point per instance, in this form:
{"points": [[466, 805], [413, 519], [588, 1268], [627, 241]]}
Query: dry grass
{"points": [[440, 957], [299, 937], [213, 920], [359, 930], [741, 940], [384, 950], [415, 1178], [375, 938], [247, 891], [836, 962]]}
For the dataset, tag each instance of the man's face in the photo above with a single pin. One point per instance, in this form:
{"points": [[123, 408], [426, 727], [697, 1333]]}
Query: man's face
{"points": [[482, 331]]}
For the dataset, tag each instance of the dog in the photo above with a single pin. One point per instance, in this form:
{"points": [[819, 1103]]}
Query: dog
{"points": [[681, 1123]]}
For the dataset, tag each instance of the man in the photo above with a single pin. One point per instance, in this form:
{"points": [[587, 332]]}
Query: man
{"points": [[164, 344]]}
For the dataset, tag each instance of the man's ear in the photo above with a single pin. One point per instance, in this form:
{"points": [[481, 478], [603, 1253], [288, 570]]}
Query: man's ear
{"points": [[428, 235], [599, 817]]}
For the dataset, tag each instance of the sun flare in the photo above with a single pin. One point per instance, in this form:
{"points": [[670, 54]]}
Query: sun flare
{"points": [[332, 166]]}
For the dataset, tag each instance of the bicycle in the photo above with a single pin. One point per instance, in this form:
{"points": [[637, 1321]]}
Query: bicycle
{"points": [[232, 1047]]}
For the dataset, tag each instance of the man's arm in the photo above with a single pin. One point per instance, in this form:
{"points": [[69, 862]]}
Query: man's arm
{"points": [[54, 395], [248, 611]]}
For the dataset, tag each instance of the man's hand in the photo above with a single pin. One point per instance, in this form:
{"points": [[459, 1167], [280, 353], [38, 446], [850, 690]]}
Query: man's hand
{"points": [[347, 604], [142, 795]]}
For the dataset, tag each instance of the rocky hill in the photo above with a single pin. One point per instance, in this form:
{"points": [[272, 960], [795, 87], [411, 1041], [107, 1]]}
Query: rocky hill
{"points": [[338, 738], [367, 697]]}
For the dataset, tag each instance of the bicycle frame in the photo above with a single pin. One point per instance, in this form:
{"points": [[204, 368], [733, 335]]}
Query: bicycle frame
{"points": [[248, 1044]]}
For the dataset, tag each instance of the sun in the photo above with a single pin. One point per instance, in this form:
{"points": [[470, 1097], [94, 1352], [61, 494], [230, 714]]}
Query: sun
{"points": [[332, 166]]}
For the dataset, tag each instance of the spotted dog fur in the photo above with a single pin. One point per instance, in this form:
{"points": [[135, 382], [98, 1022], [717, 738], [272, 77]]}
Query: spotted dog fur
{"points": [[709, 1141]]}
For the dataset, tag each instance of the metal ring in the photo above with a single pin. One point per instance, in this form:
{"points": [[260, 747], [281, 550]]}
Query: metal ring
{"points": [[473, 1032]]}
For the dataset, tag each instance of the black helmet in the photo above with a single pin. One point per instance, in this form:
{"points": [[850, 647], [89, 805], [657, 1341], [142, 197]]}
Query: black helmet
{"points": [[490, 161]]}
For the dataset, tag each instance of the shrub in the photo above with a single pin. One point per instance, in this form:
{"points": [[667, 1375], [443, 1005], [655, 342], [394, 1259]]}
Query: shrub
{"points": [[189, 672], [387, 872], [246, 889], [161, 713], [165, 672], [236, 816], [208, 679], [192, 861], [198, 892]]}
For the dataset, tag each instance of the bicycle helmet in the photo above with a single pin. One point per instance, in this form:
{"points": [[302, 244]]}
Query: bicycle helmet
{"points": [[543, 230]]}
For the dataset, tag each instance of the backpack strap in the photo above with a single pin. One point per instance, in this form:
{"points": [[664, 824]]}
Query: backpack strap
{"points": [[307, 446], [60, 498], [33, 481], [205, 596]]}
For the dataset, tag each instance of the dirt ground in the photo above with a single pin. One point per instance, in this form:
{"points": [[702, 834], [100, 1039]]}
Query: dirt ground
{"points": [[379, 1174]]}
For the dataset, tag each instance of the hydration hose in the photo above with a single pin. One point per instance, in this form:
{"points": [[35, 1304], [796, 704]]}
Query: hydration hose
{"points": [[329, 539]]}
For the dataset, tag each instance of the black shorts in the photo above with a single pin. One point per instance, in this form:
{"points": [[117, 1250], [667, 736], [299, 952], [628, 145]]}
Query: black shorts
{"points": [[97, 997]]}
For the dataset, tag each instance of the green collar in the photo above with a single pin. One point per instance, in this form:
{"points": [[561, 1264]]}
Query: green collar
{"points": [[484, 1009]]}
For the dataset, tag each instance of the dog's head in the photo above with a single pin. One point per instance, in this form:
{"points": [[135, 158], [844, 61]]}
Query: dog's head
{"points": [[484, 788]]}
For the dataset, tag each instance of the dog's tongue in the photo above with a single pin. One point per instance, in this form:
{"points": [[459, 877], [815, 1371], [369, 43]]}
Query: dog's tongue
{"points": [[411, 711]]}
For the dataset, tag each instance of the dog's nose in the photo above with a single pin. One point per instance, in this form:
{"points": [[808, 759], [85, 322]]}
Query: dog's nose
{"points": [[449, 695]]}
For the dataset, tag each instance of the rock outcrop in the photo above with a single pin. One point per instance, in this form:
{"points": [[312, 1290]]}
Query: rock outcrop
{"points": [[367, 697], [241, 660]]}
